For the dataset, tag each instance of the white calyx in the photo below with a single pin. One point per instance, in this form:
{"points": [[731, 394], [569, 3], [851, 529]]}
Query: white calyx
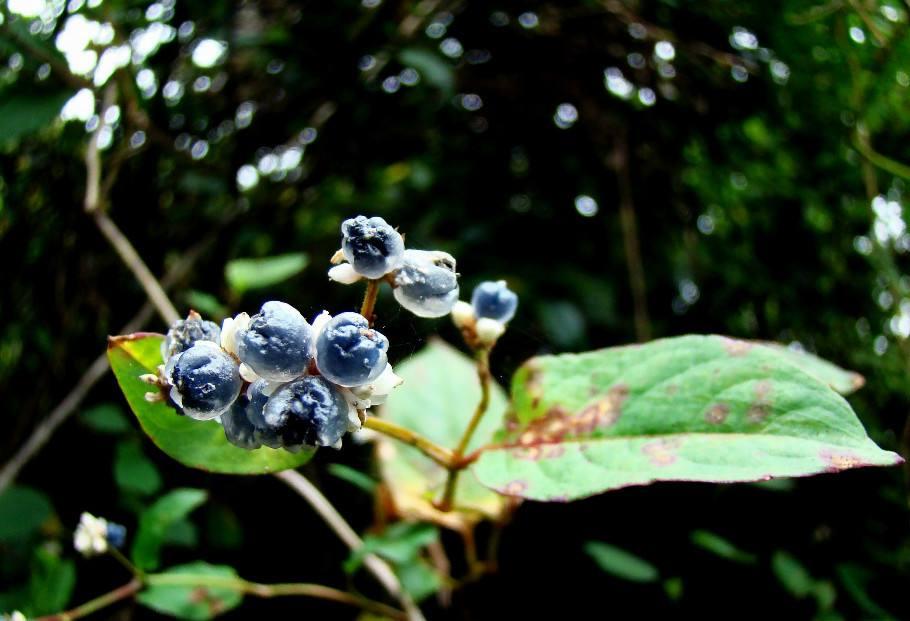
{"points": [[344, 274], [90, 538], [489, 330], [229, 329], [463, 314]]}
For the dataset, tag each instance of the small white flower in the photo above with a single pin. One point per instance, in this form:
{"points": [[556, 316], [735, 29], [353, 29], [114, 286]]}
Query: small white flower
{"points": [[248, 374], [489, 330], [229, 329], [463, 314], [345, 274], [376, 392], [90, 538]]}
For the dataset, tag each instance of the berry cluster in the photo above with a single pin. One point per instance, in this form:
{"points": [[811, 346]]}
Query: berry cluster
{"points": [[274, 379], [424, 281]]}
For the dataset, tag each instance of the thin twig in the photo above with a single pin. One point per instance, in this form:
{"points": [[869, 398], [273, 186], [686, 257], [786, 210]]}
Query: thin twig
{"points": [[369, 300], [483, 375], [378, 567], [127, 591], [441, 455]]}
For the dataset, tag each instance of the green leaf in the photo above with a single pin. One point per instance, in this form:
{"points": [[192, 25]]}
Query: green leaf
{"points": [[721, 547], [856, 583], [691, 408], [419, 579], [400, 543], [432, 67], [198, 444], [246, 274], [223, 528], [157, 520], [841, 380], [176, 593], [620, 563], [183, 533], [51, 582], [105, 418], [792, 574], [437, 399], [22, 512], [24, 113], [354, 477], [133, 471]]}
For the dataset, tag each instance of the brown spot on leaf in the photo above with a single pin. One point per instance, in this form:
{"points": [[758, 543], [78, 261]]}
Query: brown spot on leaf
{"points": [[736, 347], [717, 413], [758, 412], [662, 452], [857, 381], [841, 460], [514, 488], [672, 389]]}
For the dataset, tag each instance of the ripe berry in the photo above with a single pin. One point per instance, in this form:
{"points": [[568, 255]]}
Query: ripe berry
{"points": [[276, 344], [116, 534], [308, 411], [494, 300], [349, 352], [238, 429], [426, 283], [371, 246], [205, 380], [187, 331]]}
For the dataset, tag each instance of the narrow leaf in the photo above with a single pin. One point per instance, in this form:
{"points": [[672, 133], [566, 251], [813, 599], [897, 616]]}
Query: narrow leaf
{"points": [[105, 418], [198, 444], [246, 274], [721, 547], [692, 408], [620, 563], [133, 471]]}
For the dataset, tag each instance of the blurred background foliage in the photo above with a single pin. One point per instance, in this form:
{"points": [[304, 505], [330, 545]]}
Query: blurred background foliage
{"points": [[634, 169]]}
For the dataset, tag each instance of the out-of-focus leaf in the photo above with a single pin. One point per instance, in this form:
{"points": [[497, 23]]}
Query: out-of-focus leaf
{"points": [[24, 113], [443, 381], [245, 274], [620, 563], [133, 471], [721, 547], [206, 304], [354, 477], [105, 418], [792, 574], [400, 543], [223, 528], [174, 592], [198, 444], [419, 578], [855, 580], [155, 522], [432, 67], [22, 512], [51, 582], [182, 533]]}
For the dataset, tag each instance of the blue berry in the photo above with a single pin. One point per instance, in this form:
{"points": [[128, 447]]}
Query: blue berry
{"points": [[349, 352], [244, 425], [187, 331], [371, 246], [276, 344], [115, 535], [494, 300], [205, 380], [308, 411], [426, 283]]}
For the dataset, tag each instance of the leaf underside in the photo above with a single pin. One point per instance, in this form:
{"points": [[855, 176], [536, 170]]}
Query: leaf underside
{"points": [[691, 408], [197, 444]]}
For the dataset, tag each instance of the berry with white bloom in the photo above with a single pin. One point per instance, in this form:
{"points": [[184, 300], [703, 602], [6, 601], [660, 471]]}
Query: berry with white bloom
{"points": [[185, 332], [205, 380], [276, 342], [371, 246], [95, 535], [309, 411], [494, 300], [349, 352], [426, 283]]}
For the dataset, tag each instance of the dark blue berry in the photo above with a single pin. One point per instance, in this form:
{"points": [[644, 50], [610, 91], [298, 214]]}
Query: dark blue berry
{"points": [[426, 283], [371, 246], [309, 411], [205, 380], [187, 331], [115, 535], [276, 344], [349, 352], [494, 300]]}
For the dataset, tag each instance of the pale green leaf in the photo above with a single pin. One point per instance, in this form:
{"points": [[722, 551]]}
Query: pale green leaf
{"points": [[195, 591], [157, 520], [133, 471], [692, 408], [246, 274], [620, 563]]}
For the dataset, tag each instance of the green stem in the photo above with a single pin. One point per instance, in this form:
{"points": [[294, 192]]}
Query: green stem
{"points": [[120, 558], [441, 455], [126, 591], [369, 300], [483, 374]]}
